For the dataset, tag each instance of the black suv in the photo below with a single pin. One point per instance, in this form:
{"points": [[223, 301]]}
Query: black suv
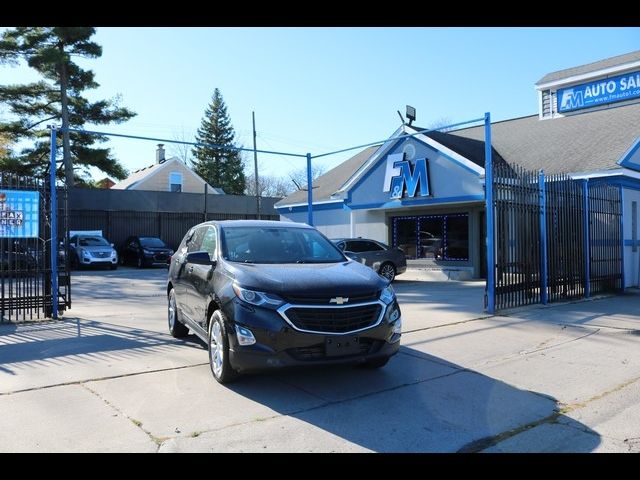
{"points": [[268, 294]]}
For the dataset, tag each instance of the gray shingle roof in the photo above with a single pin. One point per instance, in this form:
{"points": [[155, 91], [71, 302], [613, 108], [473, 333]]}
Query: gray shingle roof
{"points": [[590, 141], [327, 184], [591, 67]]}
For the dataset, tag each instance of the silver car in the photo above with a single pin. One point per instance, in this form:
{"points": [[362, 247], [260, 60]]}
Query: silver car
{"points": [[385, 260], [92, 250]]}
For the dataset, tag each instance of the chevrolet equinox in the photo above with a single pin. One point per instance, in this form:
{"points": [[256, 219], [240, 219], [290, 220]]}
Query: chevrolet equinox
{"points": [[269, 294]]}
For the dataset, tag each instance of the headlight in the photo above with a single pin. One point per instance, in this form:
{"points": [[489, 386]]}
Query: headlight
{"points": [[388, 295], [256, 298]]}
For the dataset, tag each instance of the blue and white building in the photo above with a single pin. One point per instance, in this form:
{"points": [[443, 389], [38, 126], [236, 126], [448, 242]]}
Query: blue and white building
{"points": [[425, 193]]}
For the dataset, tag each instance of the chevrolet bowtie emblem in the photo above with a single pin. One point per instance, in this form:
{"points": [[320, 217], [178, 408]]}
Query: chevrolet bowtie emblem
{"points": [[339, 300]]}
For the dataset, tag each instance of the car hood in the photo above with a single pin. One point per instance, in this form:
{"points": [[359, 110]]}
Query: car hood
{"points": [[344, 278]]}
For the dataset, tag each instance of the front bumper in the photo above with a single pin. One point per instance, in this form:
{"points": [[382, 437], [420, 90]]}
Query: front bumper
{"points": [[99, 261], [279, 344]]}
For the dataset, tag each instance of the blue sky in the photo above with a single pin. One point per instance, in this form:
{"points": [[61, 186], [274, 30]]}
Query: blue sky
{"points": [[321, 89]]}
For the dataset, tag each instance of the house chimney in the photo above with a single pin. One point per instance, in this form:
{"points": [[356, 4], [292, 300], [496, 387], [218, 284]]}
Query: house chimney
{"points": [[160, 153]]}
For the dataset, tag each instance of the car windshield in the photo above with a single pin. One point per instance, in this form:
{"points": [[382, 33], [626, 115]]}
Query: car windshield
{"points": [[92, 242], [152, 242], [277, 245]]}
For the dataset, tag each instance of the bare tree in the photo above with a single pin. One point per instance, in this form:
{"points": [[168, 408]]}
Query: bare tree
{"points": [[181, 150], [269, 186], [299, 177], [441, 122]]}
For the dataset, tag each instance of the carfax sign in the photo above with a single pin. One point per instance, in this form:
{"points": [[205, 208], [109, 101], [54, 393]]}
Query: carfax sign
{"points": [[592, 94], [19, 213]]}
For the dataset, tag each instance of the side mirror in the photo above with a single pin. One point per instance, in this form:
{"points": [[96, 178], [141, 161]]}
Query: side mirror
{"points": [[112, 245], [200, 258]]}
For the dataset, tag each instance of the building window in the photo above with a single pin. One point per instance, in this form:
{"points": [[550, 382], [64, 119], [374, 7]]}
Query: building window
{"points": [[438, 237], [175, 182]]}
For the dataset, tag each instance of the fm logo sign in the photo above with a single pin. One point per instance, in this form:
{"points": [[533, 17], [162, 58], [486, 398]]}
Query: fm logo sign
{"points": [[571, 100], [402, 177]]}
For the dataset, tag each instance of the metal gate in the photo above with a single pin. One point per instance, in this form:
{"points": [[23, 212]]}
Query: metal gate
{"points": [[555, 238], [25, 249]]}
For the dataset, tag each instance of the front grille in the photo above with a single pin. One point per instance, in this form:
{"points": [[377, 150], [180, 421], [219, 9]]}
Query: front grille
{"points": [[100, 254], [317, 352], [325, 300], [160, 257], [334, 320]]}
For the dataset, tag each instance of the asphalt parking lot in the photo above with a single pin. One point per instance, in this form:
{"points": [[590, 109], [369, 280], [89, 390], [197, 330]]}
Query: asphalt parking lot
{"points": [[110, 378]]}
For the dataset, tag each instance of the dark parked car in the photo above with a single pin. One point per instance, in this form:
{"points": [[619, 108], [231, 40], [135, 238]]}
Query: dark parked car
{"points": [[385, 260], [144, 252], [266, 294], [92, 250], [17, 256]]}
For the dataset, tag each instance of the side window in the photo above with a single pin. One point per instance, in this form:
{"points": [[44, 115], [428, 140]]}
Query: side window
{"points": [[175, 182], [371, 247], [209, 242], [351, 247], [194, 244]]}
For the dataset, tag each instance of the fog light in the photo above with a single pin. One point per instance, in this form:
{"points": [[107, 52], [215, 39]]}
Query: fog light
{"points": [[245, 337], [397, 327]]}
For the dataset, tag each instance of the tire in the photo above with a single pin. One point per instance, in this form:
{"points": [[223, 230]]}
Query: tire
{"points": [[176, 328], [388, 271], [121, 260], [376, 363], [140, 262], [219, 349], [114, 267]]}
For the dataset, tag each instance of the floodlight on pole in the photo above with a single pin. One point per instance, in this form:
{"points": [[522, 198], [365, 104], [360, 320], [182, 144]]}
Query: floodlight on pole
{"points": [[411, 114]]}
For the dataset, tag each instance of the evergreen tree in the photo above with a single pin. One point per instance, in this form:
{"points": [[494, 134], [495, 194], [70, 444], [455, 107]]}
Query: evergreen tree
{"points": [[49, 51], [218, 167]]}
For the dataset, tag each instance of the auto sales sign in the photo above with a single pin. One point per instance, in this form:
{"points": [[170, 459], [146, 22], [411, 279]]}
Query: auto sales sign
{"points": [[608, 90]]}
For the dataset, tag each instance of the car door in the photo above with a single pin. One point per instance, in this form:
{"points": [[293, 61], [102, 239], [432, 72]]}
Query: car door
{"points": [[192, 277], [185, 295], [200, 276], [373, 253]]}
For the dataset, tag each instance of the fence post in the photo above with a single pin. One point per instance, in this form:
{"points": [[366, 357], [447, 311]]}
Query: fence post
{"points": [[54, 225], [587, 253], [622, 237], [309, 191], [488, 195], [206, 197], [543, 239]]}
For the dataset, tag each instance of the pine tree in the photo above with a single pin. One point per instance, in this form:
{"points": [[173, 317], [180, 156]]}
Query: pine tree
{"points": [[218, 167], [57, 98]]}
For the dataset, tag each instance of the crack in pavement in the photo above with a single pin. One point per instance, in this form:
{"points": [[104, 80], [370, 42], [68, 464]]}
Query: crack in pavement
{"points": [[157, 440], [99, 379]]}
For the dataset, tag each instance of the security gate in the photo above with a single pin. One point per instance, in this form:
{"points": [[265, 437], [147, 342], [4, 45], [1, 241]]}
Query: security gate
{"points": [[555, 238], [26, 241]]}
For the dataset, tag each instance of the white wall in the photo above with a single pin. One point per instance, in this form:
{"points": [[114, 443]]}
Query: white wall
{"points": [[333, 223], [631, 258], [370, 224]]}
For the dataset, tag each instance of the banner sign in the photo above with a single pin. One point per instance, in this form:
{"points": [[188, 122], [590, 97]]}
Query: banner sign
{"points": [[19, 213], [592, 94]]}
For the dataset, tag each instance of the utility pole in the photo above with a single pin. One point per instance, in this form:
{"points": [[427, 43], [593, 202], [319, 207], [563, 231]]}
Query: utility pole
{"points": [[255, 165]]}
